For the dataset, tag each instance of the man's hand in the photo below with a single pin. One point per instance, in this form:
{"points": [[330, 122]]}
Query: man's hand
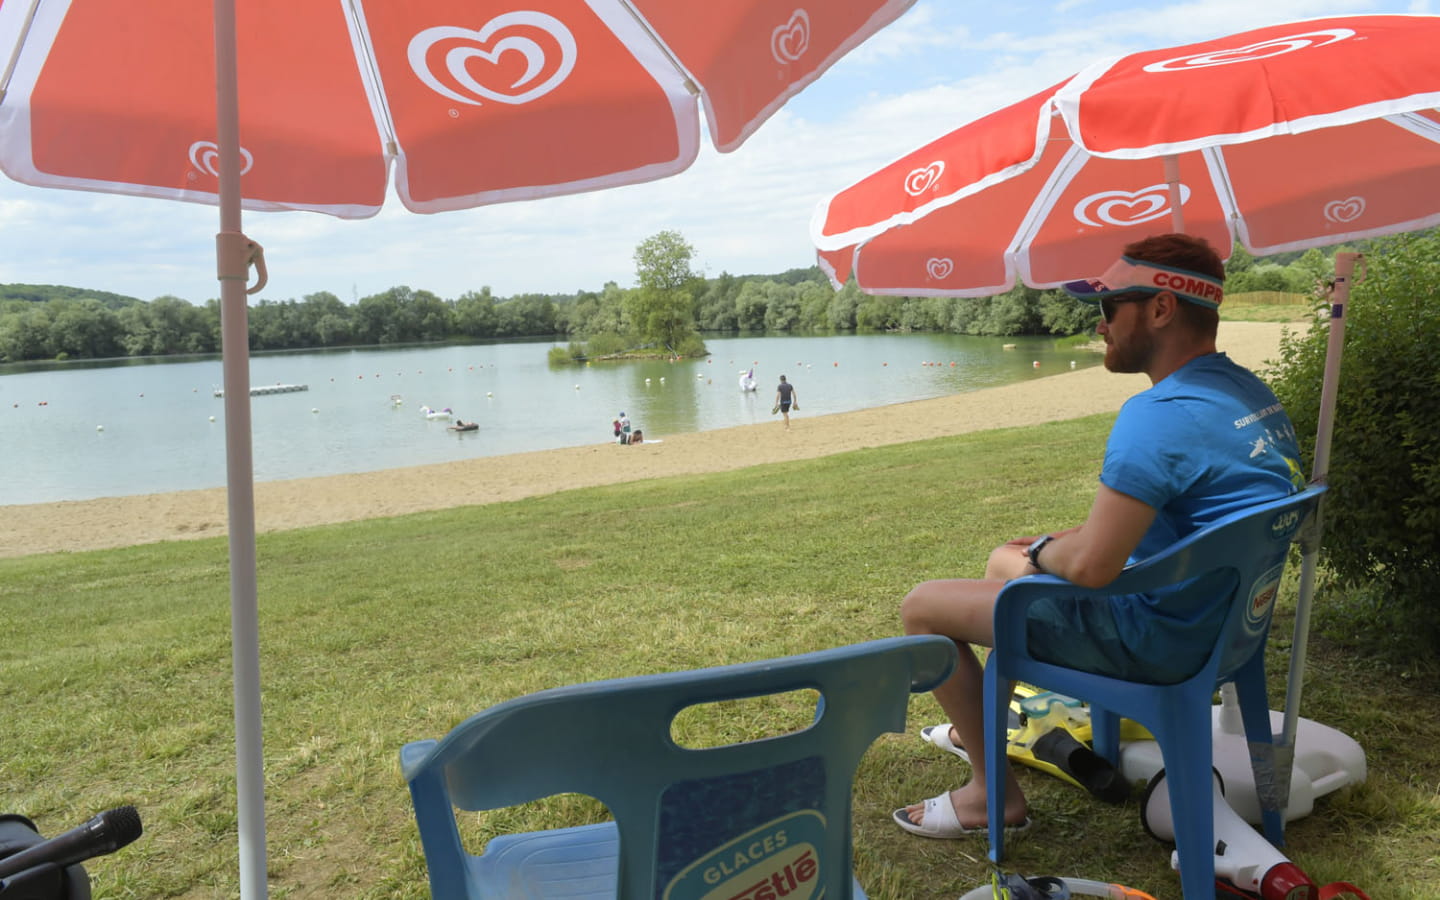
{"points": [[1093, 554], [1013, 556]]}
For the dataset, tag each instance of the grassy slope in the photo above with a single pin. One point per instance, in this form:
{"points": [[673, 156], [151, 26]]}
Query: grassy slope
{"points": [[116, 673]]}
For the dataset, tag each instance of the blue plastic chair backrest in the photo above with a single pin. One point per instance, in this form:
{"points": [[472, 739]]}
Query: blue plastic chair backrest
{"points": [[1244, 552], [676, 807]]}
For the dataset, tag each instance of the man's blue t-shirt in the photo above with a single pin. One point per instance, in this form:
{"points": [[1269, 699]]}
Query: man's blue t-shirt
{"points": [[1206, 441]]}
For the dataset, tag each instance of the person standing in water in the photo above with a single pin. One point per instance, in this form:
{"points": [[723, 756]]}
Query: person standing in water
{"points": [[786, 398]]}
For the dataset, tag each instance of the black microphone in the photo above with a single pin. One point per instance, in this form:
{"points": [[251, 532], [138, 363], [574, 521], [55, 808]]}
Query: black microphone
{"points": [[106, 833]]}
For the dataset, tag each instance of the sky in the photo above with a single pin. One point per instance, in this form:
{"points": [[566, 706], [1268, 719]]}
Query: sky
{"points": [[941, 64]]}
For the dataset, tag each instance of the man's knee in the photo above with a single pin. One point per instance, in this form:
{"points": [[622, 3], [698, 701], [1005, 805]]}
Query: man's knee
{"points": [[913, 610], [1004, 563]]}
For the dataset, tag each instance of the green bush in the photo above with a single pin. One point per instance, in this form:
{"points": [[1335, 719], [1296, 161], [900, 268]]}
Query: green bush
{"points": [[1382, 521], [691, 345], [605, 344], [566, 355]]}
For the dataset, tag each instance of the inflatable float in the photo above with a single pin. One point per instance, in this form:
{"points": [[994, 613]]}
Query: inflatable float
{"points": [[747, 380], [436, 414], [1325, 760]]}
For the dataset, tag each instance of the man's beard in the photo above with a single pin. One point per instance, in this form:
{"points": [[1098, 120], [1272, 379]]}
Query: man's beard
{"points": [[1134, 356]]}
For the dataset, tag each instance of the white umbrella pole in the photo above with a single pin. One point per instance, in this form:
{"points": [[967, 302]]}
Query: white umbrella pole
{"points": [[232, 262], [1172, 186], [1340, 296]]}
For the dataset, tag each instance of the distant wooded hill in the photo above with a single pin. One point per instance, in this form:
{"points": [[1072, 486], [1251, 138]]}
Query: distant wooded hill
{"points": [[42, 293], [42, 322]]}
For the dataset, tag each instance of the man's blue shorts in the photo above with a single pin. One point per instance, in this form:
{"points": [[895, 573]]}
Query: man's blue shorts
{"points": [[1081, 633]]}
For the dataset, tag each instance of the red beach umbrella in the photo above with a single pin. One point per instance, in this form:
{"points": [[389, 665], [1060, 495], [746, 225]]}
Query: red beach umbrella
{"points": [[1297, 135], [285, 105]]}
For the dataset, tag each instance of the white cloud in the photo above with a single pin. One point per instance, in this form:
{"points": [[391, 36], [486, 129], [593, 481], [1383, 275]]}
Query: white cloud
{"points": [[920, 29]]}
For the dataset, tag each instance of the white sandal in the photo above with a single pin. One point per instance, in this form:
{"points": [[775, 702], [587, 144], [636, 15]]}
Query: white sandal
{"points": [[938, 821], [939, 735]]}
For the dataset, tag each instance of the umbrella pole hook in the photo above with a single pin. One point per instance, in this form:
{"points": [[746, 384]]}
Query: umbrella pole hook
{"points": [[235, 254]]}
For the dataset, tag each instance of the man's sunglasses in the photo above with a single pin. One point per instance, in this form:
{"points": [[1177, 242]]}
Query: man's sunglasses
{"points": [[1108, 304]]}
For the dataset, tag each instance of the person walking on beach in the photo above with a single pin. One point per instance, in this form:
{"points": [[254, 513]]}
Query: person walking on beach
{"points": [[785, 399], [1206, 439]]}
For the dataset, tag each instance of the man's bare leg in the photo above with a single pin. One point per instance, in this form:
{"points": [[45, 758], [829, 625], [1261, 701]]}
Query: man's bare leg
{"points": [[964, 611]]}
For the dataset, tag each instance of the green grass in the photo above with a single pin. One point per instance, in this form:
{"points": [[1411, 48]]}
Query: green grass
{"points": [[115, 669], [1267, 306]]}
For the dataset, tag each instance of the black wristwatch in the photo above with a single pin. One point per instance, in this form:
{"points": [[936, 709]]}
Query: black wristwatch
{"points": [[1035, 550]]}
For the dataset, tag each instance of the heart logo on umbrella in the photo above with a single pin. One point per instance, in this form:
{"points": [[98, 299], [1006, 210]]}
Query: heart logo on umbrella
{"points": [[923, 179], [205, 156], [1342, 211], [790, 41], [939, 268], [542, 43], [1126, 208], [1251, 52]]}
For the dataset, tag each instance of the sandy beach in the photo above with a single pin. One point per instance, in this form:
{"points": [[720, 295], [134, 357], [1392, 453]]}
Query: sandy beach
{"points": [[282, 505]]}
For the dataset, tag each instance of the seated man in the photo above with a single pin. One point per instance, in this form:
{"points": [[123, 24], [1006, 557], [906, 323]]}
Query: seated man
{"points": [[1206, 439]]}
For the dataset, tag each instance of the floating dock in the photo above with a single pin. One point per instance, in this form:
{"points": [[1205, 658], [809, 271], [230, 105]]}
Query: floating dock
{"points": [[259, 390]]}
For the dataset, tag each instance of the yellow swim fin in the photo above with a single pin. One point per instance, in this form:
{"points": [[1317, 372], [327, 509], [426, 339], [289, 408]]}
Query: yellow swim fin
{"points": [[1052, 733]]}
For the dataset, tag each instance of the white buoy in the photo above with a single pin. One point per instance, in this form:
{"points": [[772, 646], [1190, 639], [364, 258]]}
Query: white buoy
{"points": [[99, 427], [489, 394], [647, 381], [314, 409], [577, 387], [212, 418], [662, 379], [1072, 363]]}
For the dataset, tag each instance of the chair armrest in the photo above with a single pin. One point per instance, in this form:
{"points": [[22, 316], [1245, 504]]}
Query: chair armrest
{"points": [[413, 756], [1014, 602], [1212, 549]]}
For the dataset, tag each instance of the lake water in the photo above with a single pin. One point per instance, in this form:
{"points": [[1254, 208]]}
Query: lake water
{"points": [[78, 431]]}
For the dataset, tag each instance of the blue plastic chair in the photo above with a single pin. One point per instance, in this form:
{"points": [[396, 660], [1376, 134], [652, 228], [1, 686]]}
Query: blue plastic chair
{"points": [[686, 821], [1251, 545]]}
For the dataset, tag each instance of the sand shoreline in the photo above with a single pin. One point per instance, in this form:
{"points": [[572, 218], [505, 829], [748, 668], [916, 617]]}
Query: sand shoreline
{"points": [[282, 505]]}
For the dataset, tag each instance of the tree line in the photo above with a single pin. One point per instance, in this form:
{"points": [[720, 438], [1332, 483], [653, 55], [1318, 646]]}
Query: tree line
{"points": [[668, 308]]}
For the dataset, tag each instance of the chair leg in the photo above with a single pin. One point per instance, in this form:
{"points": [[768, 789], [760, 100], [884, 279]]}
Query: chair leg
{"points": [[1188, 768], [1255, 713], [997, 719], [1105, 734]]}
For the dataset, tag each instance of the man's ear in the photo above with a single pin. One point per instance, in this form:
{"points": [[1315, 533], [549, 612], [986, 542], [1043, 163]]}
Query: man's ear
{"points": [[1163, 308]]}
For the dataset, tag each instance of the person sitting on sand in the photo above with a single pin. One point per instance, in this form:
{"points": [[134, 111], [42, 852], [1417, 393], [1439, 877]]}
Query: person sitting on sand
{"points": [[637, 437]]}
